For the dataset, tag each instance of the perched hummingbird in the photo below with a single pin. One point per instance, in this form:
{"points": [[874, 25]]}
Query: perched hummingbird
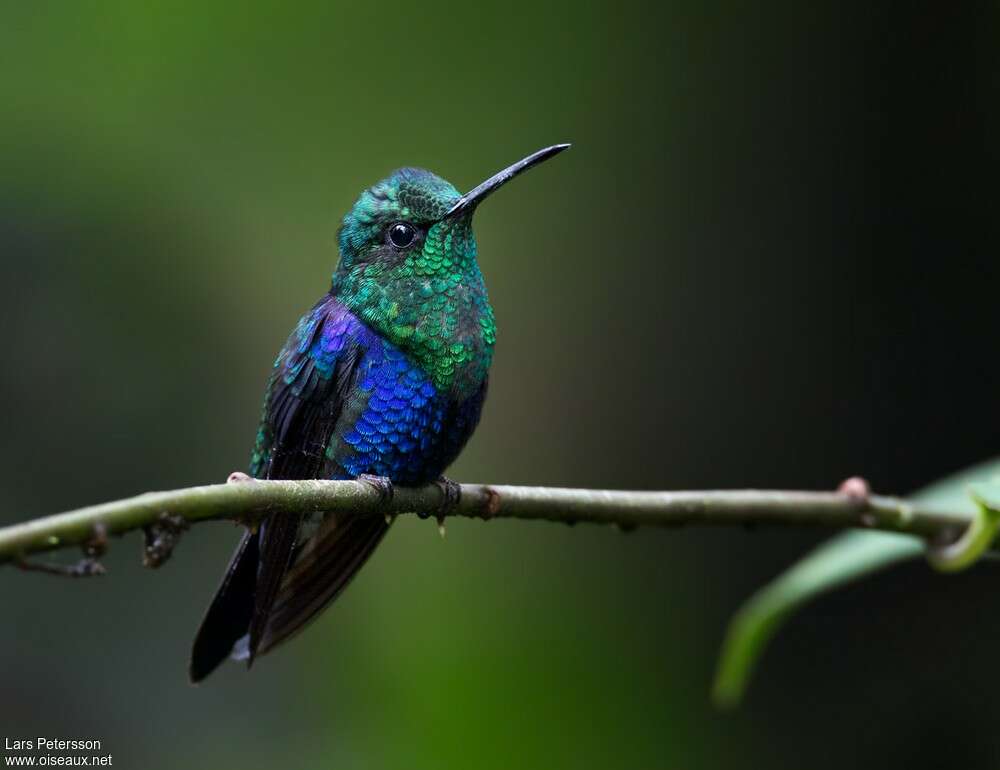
{"points": [[385, 377]]}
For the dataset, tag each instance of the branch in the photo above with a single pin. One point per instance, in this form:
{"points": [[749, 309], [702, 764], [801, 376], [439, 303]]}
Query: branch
{"points": [[163, 515]]}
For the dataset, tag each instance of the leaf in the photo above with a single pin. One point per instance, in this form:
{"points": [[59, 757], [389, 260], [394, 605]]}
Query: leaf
{"points": [[837, 562], [975, 542], [987, 494]]}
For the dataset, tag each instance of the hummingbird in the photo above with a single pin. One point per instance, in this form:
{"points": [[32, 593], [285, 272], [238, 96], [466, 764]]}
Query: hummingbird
{"points": [[383, 379]]}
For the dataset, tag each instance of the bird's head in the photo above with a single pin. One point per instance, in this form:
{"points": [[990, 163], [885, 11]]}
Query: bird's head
{"points": [[413, 222], [398, 223], [408, 253]]}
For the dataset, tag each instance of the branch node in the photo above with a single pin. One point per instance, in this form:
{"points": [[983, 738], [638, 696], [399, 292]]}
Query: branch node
{"points": [[88, 566], [160, 539], [856, 488], [492, 505], [97, 545]]}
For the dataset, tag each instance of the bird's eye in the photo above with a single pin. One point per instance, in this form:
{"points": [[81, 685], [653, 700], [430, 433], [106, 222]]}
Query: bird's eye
{"points": [[401, 234]]}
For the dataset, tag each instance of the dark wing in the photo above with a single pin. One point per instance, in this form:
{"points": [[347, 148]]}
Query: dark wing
{"points": [[304, 402], [305, 398], [312, 382], [321, 568]]}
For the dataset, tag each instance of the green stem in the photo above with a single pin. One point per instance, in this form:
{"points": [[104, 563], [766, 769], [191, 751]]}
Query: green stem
{"points": [[246, 501]]}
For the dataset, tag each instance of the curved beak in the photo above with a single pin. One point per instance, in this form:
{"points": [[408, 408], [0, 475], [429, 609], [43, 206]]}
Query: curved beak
{"points": [[472, 198]]}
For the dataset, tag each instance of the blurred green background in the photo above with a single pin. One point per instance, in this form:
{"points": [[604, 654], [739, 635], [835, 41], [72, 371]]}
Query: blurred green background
{"points": [[769, 259]]}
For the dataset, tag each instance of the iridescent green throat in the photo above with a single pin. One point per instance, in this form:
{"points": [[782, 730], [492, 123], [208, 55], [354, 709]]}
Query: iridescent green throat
{"points": [[432, 303]]}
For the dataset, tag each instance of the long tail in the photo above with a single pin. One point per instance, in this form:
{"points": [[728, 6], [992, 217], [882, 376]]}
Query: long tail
{"points": [[321, 566], [228, 616]]}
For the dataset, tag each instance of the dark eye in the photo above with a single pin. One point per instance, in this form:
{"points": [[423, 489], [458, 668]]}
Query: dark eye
{"points": [[401, 234]]}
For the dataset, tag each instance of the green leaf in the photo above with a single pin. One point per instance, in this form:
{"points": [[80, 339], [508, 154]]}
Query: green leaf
{"points": [[839, 561], [987, 494], [977, 538]]}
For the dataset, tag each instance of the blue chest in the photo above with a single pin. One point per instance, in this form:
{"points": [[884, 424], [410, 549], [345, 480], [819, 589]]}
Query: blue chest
{"points": [[393, 421]]}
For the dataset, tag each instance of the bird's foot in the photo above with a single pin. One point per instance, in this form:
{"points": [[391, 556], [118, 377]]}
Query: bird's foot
{"points": [[383, 486], [380, 484], [250, 521], [451, 495]]}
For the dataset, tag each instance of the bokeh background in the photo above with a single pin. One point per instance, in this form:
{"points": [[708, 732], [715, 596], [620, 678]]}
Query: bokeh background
{"points": [[770, 259]]}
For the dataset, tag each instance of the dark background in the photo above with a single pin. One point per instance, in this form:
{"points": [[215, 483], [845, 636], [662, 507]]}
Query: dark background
{"points": [[770, 259]]}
